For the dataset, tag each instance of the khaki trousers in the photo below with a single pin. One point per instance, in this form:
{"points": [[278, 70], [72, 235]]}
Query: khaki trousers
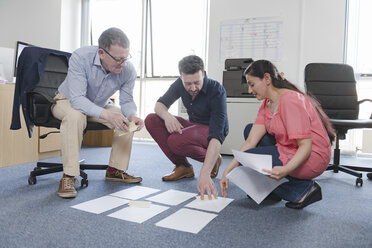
{"points": [[72, 129]]}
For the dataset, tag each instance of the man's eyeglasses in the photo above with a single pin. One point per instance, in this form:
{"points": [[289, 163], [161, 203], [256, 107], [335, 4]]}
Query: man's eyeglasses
{"points": [[117, 60]]}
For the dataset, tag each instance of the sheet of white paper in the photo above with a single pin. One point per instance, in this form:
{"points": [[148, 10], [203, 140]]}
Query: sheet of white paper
{"points": [[215, 205], [256, 162], [171, 197], [187, 220], [135, 192], [138, 214], [255, 184], [101, 204]]}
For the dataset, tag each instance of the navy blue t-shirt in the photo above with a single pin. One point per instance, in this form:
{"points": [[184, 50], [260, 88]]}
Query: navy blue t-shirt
{"points": [[208, 107]]}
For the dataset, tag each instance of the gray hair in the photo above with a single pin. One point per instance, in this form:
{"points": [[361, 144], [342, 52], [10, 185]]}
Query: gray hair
{"points": [[113, 36]]}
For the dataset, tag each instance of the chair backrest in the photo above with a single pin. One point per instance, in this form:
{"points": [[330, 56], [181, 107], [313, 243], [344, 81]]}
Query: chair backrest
{"points": [[41, 98], [54, 74], [334, 86]]}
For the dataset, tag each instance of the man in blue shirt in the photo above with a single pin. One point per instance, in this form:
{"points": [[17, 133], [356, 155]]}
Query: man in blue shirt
{"points": [[94, 75], [201, 136]]}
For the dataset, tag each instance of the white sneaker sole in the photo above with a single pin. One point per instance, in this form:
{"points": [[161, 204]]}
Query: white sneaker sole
{"points": [[123, 181], [67, 195]]}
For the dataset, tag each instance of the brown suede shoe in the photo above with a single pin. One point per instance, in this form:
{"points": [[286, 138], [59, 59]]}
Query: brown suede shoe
{"points": [[121, 176], [180, 171], [216, 167], [66, 187]]}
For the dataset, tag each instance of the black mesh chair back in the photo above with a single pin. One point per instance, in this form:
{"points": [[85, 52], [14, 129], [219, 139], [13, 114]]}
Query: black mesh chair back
{"points": [[334, 86]]}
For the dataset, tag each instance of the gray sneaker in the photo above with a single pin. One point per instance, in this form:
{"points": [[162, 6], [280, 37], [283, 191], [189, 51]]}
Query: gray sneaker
{"points": [[66, 187], [121, 176]]}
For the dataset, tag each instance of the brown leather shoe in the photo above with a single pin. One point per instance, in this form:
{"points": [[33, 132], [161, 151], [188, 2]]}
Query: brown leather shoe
{"points": [[216, 167], [179, 172]]}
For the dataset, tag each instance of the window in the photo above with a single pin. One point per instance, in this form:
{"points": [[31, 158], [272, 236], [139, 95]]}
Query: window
{"points": [[358, 55], [177, 29], [161, 32], [123, 14]]}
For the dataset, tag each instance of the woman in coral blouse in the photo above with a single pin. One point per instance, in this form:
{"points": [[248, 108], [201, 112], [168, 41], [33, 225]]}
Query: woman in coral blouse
{"points": [[292, 127]]}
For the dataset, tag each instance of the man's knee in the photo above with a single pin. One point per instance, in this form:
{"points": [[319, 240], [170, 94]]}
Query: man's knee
{"points": [[152, 120], [76, 118]]}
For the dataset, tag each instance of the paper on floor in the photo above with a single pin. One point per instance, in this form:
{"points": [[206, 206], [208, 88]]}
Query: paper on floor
{"points": [[255, 184], [135, 192], [206, 198], [101, 204], [171, 197], [215, 205], [138, 215], [256, 162], [187, 220]]}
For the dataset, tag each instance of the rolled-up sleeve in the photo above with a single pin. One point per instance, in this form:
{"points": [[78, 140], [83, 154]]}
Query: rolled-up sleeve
{"points": [[172, 94], [218, 116]]}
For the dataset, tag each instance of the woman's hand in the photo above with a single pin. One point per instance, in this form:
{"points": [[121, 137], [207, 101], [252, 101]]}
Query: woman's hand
{"points": [[224, 184], [278, 172]]}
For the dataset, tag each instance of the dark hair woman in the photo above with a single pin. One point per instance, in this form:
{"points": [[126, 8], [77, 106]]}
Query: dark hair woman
{"points": [[292, 127]]}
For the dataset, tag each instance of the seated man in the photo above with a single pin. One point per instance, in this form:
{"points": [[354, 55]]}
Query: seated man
{"points": [[201, 136], [94, 75]]}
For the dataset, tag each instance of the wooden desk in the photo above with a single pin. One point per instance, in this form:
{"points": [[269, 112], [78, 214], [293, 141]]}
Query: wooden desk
{"points": [[15, 145], [98, 138]]}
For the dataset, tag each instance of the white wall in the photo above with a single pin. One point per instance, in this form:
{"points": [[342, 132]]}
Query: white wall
{"points": [[312, 31], [36, 22], [52, 24]]}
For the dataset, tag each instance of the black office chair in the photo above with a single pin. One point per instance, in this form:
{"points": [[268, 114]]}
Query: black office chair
{"points": [[39, 99], [334, 86]]}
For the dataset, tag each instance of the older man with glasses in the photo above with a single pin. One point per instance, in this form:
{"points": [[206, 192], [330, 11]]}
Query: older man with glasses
{"points": [[94, 75]]}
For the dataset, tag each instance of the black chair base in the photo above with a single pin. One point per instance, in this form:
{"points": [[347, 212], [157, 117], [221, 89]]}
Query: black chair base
{"points": [[44, 168], [346, 169], [369, 175]]}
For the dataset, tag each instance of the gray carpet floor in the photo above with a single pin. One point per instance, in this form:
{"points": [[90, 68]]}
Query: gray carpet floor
{"points": [[34, 216]]}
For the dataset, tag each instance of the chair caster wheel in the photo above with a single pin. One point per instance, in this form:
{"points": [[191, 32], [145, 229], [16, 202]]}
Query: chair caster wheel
{"points": [[84, 182], [369, 175], [31, 180], [359, 182]]}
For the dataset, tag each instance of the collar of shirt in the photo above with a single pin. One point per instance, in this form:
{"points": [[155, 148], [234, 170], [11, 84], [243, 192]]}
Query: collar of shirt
{"points": [[97, 61], [205, 82]]}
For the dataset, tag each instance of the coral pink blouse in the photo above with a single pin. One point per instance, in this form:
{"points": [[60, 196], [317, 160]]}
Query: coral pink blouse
{"points": [[296, 118]]}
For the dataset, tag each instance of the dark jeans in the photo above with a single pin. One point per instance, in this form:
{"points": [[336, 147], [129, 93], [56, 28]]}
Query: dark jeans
{"points": [[295, 188]]}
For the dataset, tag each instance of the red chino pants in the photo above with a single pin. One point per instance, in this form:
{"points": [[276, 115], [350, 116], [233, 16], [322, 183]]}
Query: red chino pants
{"points": [[193, 141]]}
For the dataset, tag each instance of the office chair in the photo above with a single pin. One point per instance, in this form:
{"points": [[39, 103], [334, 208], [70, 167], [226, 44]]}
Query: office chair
{"points": [[334, 86], [39, 100]]}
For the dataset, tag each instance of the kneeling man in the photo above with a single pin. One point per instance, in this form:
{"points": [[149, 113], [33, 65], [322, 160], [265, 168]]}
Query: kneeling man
{"points": [[201, 136]]}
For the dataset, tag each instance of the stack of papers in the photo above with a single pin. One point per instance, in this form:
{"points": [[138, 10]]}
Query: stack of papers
{"points": [[251, 178]]}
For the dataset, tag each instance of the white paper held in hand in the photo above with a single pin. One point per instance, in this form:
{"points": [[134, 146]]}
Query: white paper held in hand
{"points": [[256, 162], [132, 127]]}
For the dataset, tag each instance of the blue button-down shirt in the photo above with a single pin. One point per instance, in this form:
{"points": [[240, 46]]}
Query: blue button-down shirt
{"points": [[88, 86], [208, 107]]}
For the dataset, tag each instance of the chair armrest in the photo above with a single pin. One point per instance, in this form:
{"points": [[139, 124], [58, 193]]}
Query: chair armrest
{"points": [[363, 101]]}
